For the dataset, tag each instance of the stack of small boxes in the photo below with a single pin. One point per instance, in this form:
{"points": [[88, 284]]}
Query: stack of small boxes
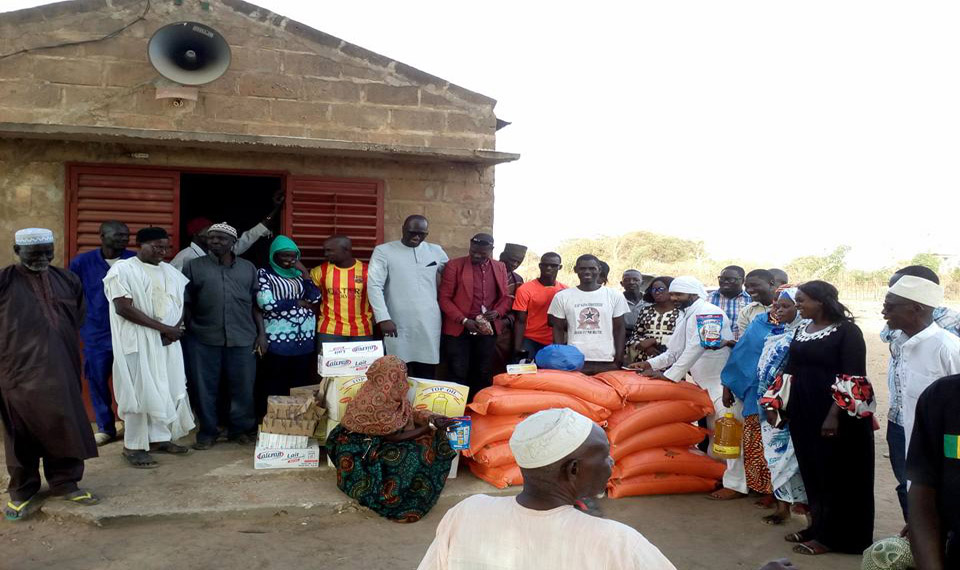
{"points": [[287, 432]]}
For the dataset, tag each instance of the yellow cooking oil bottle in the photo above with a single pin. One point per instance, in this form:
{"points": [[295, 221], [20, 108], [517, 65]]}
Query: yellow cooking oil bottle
{"points": [[728, 433]]}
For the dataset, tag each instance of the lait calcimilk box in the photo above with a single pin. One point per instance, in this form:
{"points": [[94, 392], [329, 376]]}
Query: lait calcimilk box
{"points": [[348, 358]]}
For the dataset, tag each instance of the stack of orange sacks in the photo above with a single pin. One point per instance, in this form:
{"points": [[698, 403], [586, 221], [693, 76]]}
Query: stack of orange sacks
{"points": [[495, 412], [652, 437]]}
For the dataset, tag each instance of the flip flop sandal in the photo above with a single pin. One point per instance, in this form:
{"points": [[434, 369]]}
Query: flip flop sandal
{"points": [[81, 497], [811, 548], [140, 460], [774, 520], [800, 536], [713, 496], [17, 513], [172, 449]]}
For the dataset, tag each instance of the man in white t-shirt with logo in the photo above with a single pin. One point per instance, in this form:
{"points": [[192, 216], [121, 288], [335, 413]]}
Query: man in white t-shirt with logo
{"points": [[590, 317]]}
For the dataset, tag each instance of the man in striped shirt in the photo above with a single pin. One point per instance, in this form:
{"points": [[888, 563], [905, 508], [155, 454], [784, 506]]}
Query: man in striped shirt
{"points": [[345, 314], [730, 296]]}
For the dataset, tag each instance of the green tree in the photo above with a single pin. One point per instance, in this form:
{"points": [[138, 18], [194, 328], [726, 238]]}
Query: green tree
{"points": [[927, 260], [826, 267]]}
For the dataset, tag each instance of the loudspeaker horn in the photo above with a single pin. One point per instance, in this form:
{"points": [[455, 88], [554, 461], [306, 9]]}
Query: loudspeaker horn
{"points": [[189, 53]]}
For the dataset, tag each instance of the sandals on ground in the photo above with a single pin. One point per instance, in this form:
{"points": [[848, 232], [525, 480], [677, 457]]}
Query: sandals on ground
{"points": [[81, 497], [140, 459], [22, 510]]}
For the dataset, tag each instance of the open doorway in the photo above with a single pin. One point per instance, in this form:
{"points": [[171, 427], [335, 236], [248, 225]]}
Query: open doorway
{"points": [[241, 201]]}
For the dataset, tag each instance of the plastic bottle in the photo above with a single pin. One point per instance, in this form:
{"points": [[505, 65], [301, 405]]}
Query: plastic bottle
{"points": [[728, 434]]}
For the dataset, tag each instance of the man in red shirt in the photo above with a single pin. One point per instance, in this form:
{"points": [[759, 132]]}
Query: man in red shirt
{"points": [[473, 297], [532, 330]]}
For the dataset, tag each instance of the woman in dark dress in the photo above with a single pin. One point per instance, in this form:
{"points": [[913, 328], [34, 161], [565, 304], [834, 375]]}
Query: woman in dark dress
{"points": [[829, 404]]}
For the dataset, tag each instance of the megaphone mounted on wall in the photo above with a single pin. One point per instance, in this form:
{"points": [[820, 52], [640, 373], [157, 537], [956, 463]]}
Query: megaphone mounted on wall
{"points": [[189, 53]]}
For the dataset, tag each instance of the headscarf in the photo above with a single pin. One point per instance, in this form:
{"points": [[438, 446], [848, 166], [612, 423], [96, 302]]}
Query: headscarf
{"points": [[197, 225], [788, 291], [688, 285], [283, 243], [380, 406]]}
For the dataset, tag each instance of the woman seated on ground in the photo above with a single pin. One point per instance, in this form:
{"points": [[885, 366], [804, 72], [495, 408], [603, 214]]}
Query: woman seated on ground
{"points": [[655, 323], [390, 458]]}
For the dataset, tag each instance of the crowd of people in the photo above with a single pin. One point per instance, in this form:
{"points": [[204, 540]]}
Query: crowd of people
{"points": [[210, 336]]}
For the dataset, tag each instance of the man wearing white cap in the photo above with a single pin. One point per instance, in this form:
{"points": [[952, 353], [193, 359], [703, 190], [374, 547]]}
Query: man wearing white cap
{"points": [[686, 353], [927, 352], [563, 456], [41, 407], [948, 320], [224, 329]]}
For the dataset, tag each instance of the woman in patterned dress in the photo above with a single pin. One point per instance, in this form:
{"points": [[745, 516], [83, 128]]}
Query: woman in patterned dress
{"points": [[777, 446], [828, 403], [286, 299], [655, 323], [390, 458]]}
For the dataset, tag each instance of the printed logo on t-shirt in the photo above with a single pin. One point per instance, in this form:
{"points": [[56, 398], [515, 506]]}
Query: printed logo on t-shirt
{"points": [[589, 318], [951, 446]]}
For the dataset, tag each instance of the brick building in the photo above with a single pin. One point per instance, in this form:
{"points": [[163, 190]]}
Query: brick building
{"points": [[357, 141]]}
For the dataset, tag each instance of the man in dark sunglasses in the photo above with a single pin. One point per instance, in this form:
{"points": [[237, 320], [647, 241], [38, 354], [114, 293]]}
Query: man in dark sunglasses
{"points": [[730, 296]]}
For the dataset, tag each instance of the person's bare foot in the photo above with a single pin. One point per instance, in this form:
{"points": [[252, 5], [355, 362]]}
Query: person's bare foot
{"points": [[725, 495]]}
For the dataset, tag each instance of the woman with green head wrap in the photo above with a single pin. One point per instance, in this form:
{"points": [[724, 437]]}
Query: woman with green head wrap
{"points": [[286, 300]]}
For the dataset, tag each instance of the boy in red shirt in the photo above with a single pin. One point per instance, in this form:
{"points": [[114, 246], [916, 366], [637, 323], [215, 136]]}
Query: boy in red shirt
{"points": [[532, 331]]}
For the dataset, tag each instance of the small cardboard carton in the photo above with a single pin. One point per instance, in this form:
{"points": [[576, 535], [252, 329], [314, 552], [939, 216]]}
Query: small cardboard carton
{"points": [[514, 369], [289, 427], [313, 391], [280, 441], [340, 391], [443, 398], [292, 408], [273, 458], [348, 358]]}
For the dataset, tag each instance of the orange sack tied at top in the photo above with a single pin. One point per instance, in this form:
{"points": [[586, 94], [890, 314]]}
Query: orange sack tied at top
{"points": [[640, 416], [635, 388], [576, 384], [501, 401]]}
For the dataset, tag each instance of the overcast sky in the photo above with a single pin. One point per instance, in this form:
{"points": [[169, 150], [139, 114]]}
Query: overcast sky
{"points": [[769, 130]]}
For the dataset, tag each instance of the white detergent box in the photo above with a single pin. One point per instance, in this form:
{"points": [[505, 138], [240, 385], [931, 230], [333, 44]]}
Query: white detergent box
{"points": [[348, 358], [272, 458]]}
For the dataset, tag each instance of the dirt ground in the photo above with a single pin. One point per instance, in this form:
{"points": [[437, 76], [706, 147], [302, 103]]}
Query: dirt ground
{"points": [[693, 532]]}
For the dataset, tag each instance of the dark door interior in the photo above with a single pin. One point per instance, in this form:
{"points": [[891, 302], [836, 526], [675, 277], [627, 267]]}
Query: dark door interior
{"points": [[241, 201]]}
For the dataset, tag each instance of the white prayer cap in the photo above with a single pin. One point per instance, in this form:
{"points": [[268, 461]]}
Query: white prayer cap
{"points": [[548, 436], [918, 289], [33, 236], [689, 285], [223, 227]]}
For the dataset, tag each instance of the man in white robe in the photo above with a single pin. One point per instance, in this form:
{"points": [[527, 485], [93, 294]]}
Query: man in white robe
{"points": [[563, 456], [685, 354], [402, 284], [146, 323]]}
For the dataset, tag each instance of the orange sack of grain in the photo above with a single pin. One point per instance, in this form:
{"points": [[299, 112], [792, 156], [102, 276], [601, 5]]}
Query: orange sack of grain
{"points": [[499, 477], [668, 435], [574, 383], [485, 430], [495, 454], [659, 484], [500, 401], [676, 460], [635, 388], [639, 416]]}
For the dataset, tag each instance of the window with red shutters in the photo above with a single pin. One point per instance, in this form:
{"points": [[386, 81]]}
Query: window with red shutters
{"points": [[317, 208], [138, 197]]}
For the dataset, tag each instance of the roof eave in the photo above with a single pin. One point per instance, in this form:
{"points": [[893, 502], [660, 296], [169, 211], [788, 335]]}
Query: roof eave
{"points": [[241, 143]]}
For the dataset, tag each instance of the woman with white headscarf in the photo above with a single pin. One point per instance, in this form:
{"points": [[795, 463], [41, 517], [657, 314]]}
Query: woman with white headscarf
{"points": [[777, 447]]}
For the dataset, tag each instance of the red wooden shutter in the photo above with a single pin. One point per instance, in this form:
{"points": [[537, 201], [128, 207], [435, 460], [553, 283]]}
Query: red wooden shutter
{"points": [[317, 208], [138, 197]]}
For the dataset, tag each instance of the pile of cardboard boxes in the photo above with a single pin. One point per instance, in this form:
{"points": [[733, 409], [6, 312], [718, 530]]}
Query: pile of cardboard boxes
{"points": [[297, 425]]}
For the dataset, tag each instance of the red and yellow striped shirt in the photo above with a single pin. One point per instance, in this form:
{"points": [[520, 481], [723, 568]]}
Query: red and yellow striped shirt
{"points": [[345, 309]]}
